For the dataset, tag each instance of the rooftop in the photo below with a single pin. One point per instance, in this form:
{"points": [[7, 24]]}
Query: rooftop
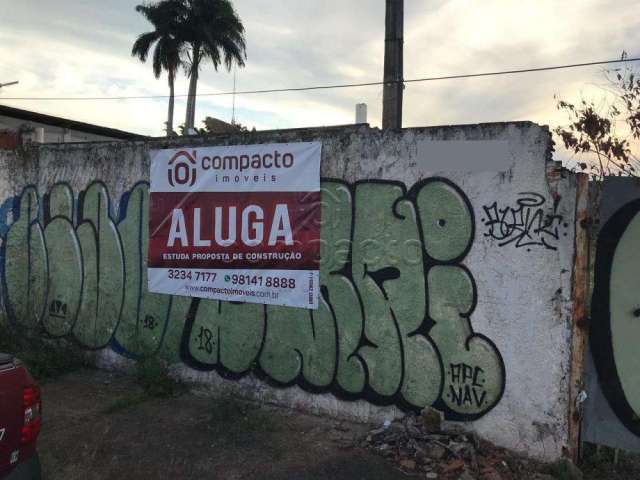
{"points": [[30, 116]]}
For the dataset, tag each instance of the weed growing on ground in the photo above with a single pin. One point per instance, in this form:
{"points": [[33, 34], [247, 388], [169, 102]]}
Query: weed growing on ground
{"points": [[48, 361], [45, 358], [598, 464], [153, 376]]}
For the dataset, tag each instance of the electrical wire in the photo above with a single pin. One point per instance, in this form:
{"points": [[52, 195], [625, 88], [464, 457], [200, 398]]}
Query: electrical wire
{"points": [[337, 86]]}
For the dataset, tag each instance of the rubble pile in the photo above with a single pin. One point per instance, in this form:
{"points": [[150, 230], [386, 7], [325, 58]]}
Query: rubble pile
{"points": [[420, 448]]}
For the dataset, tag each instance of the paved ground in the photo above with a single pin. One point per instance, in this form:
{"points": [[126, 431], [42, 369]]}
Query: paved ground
{"points": [[97, 426]]}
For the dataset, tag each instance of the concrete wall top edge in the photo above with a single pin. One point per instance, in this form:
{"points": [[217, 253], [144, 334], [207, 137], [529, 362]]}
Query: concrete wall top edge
{"points": [[441, 132]]}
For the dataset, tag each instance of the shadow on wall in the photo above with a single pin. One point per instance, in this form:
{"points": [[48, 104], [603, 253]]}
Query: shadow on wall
{"points": [[393, 327]]}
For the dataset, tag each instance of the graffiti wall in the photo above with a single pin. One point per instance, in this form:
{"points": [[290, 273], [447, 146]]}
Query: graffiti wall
{"points": [[613, 406], [395, 324], [435, 285]]}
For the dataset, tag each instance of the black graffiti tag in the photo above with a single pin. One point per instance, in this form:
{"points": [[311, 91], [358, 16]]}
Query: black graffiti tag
{"points": [[150, 322], [205, 340], [528, 224], [466, 385]]}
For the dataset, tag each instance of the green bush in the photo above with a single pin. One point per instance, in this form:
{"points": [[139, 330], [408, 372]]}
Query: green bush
{"points": [[45, 358]]}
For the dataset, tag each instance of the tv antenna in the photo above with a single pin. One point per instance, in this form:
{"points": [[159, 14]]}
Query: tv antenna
{"points": [[233, 105], [8, 84]]}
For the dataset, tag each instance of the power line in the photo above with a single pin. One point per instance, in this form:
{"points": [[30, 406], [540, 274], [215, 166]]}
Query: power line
{"points": [[337, 86]]}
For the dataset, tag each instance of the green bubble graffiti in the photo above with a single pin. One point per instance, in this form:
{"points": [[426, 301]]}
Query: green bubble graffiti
{"points": [[340, 299], [227, 335], [25, 266], [66, 266], [144, 315], [393, 325], [393, 294], [101, 247], [473, 367]]}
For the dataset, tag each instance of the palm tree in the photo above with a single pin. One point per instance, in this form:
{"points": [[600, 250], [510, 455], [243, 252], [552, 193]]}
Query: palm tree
{"points": [[169, 47], [213, 31]]}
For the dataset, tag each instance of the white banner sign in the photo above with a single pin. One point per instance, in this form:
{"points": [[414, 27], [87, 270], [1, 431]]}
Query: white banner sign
{"points": [[238, 223]]}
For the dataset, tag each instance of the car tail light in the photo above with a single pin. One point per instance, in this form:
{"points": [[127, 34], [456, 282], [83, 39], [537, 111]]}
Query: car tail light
{"points": [[32, 405]]}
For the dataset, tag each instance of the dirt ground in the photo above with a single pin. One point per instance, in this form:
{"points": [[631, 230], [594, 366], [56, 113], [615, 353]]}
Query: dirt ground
{"points": [[101, 425], [98, 425]]}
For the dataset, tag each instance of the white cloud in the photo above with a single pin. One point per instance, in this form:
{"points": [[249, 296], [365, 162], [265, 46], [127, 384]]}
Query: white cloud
{"points": [[70, 49]]}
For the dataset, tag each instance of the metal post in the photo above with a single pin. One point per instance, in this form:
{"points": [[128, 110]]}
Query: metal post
{"points": [[393, 65]]}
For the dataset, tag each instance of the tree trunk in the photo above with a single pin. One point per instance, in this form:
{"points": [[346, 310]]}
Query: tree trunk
{"points": [[171, 104], [193, 86]]}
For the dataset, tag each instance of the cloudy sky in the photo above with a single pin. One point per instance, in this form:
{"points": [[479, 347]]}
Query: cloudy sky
{"points": [[82, 48]]}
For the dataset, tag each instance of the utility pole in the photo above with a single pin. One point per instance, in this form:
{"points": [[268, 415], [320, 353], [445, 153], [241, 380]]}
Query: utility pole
{"points": [[393, 65]]}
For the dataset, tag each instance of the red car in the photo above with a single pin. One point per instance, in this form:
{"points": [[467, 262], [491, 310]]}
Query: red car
{"points": [[20, 420]]}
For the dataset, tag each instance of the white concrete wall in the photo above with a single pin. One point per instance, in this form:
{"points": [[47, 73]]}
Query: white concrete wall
{"points": [[523, 287]]}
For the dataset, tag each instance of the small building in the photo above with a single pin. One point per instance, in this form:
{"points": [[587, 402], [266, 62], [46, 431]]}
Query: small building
{"points": [[17, 125]]}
